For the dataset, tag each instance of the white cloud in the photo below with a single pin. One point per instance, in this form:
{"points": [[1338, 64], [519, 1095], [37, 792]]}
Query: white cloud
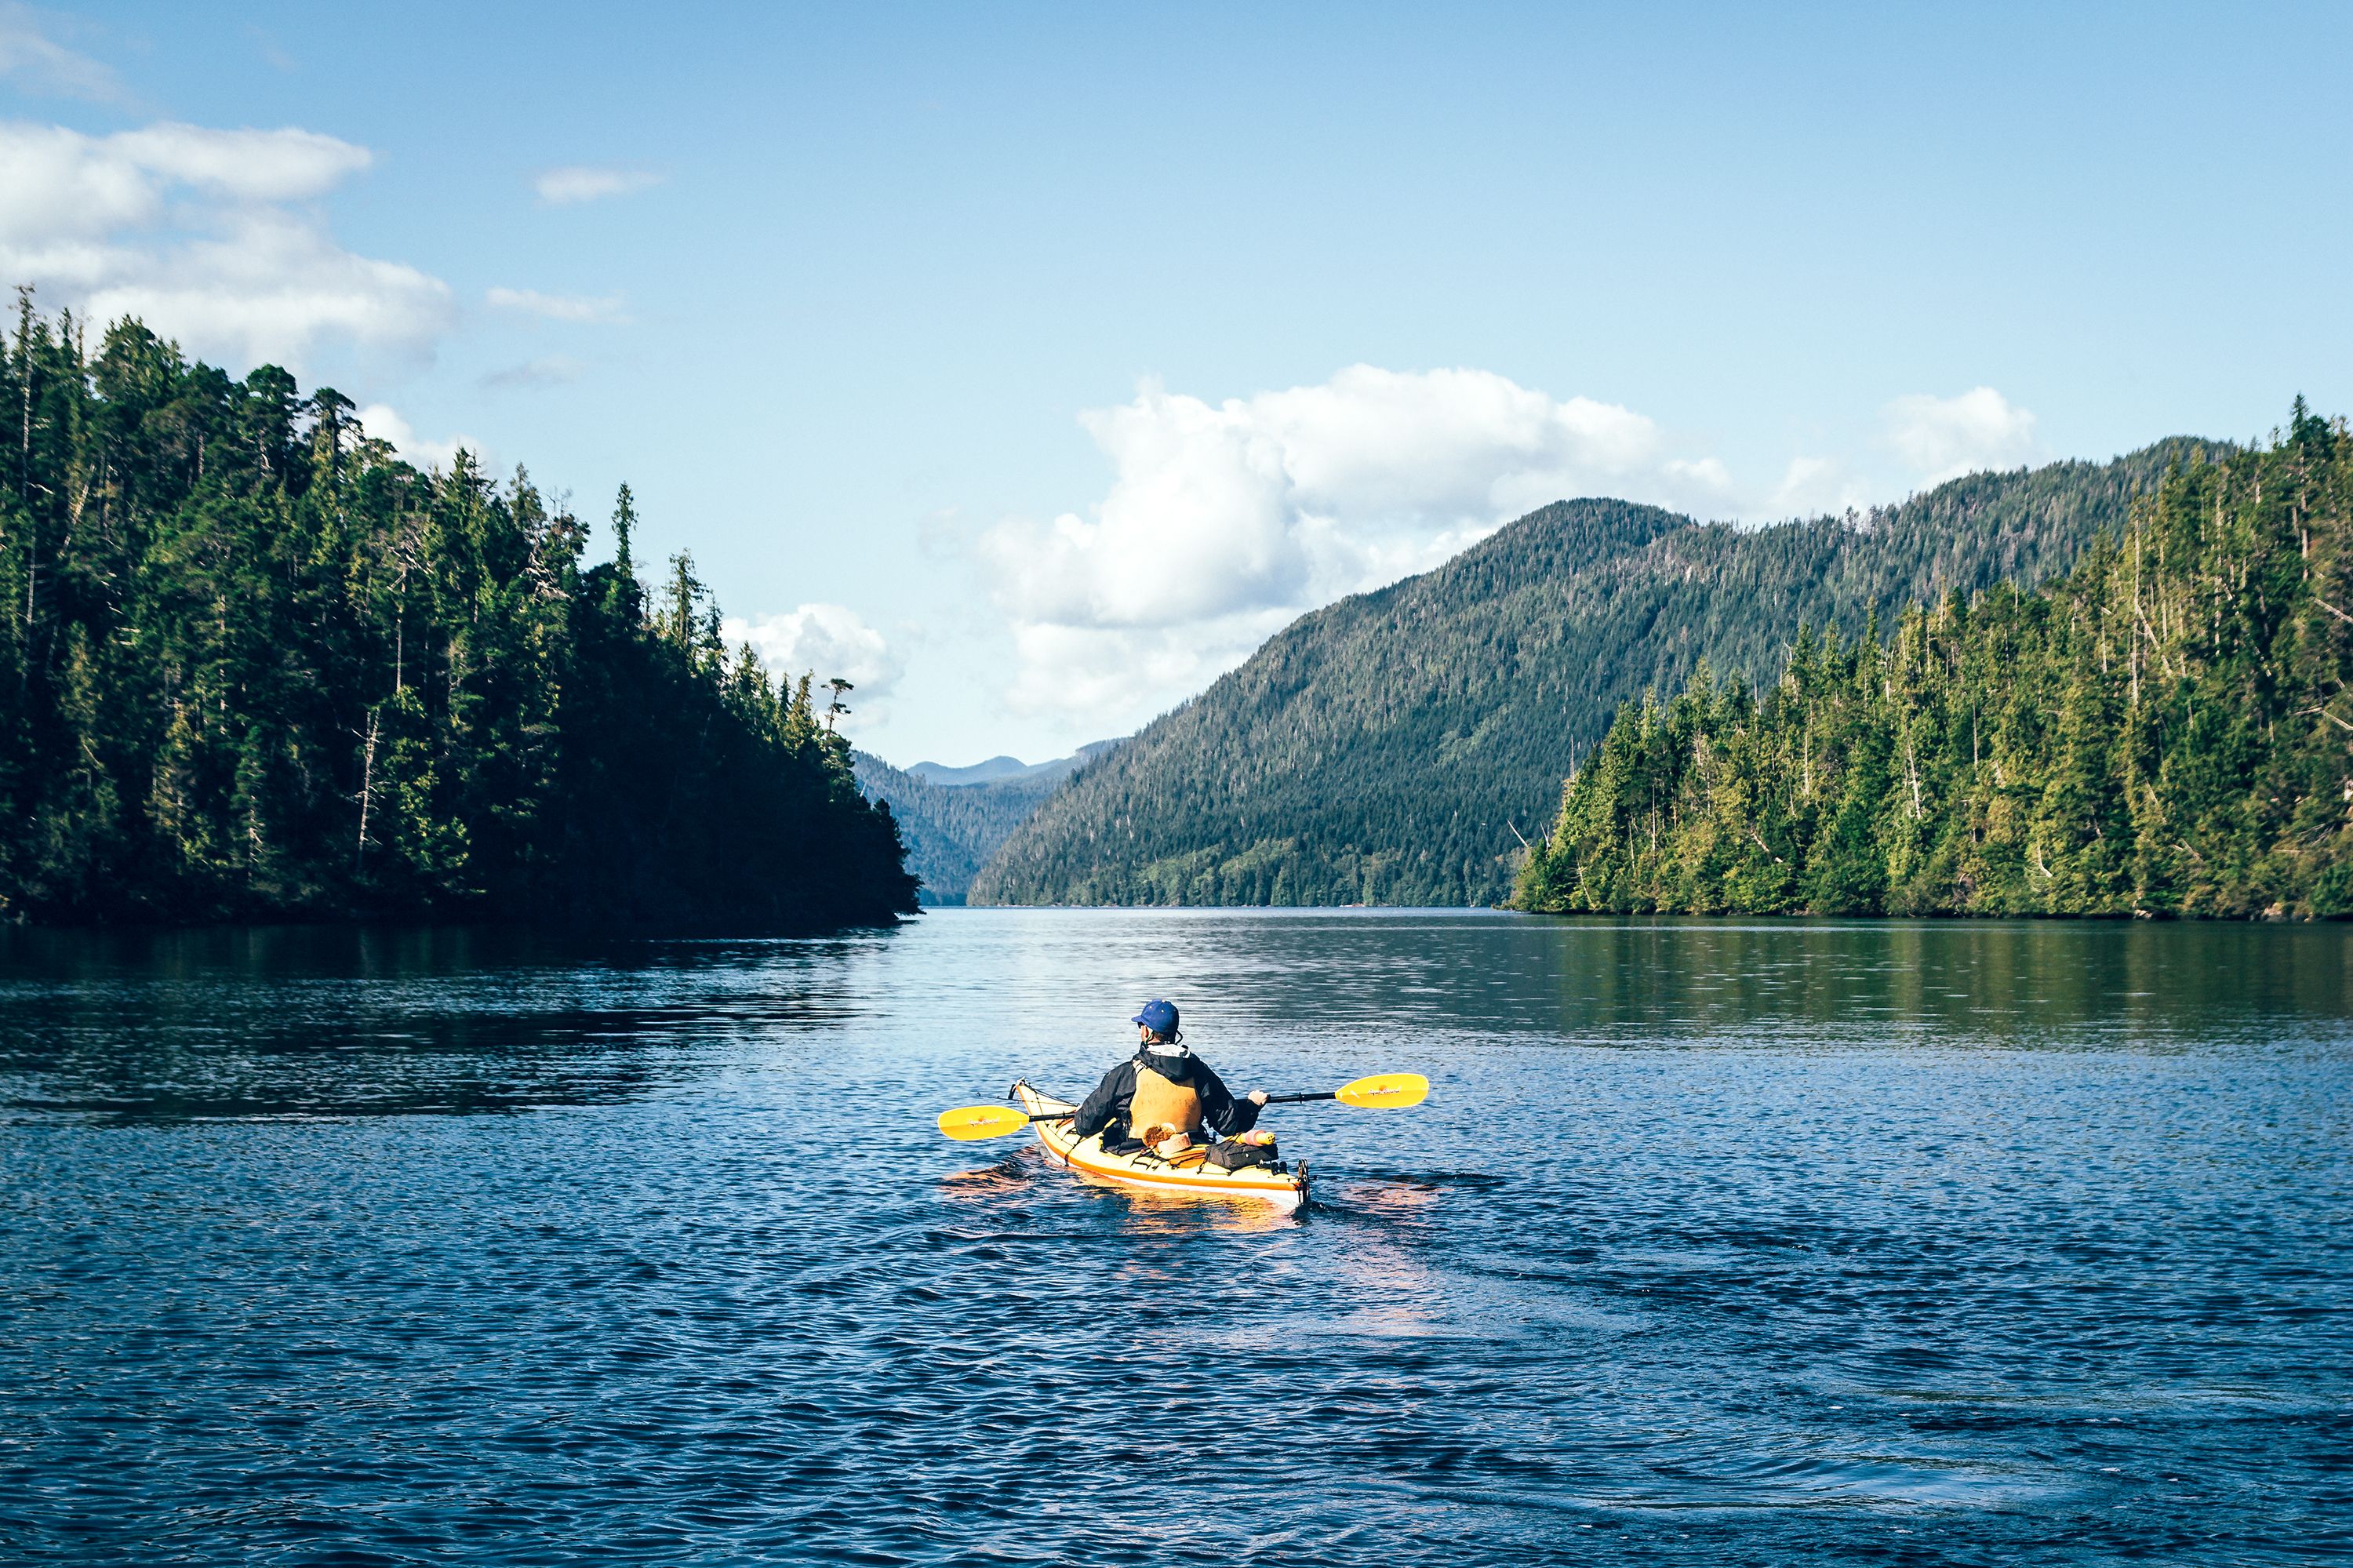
{"points": [[1945, 437], [1222, 521], [1815, 487], [556, 307], [381, 421], [826, 640], [1115, 678], [580, 182], [282, 166], [39, 63], [193, 230], [270, 288], [1306, 494]]}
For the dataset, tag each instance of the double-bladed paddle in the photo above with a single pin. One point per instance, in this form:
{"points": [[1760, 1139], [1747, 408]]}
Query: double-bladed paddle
{"points": [[1389, 1091]]}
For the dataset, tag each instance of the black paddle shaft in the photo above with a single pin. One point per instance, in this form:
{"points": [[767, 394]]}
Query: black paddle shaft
{"points": [[1270, 1099]]}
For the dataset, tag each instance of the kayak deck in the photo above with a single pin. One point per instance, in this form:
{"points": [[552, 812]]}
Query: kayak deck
{"points": [[1186, 1173]]}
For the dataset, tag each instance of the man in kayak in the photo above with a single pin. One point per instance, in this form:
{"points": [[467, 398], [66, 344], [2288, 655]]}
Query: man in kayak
{"points": [[1163, 1084]]}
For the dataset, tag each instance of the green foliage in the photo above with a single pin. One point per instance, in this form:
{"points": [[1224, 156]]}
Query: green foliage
{"points": [[1392, 747], [2166, 730], [254, 666], [952, 828]]}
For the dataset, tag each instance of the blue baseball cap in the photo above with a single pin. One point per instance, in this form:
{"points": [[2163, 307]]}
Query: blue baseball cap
{"points": [[1158, 1016]]}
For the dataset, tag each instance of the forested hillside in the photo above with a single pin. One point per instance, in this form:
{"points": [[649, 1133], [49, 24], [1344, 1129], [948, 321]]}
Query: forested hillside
{"points": [[254, 666], [1392, 747], [2166, 730], [952, 828]]}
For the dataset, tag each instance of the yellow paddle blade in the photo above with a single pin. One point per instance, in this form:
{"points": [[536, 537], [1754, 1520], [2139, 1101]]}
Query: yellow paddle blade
{"points": [[967, 1124], [1389, 1091]]}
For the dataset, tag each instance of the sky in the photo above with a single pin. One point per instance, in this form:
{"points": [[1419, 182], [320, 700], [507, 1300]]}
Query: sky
{"points": [[1029, 364]]}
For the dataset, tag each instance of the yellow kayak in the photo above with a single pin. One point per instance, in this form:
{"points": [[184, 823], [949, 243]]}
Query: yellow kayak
{"points": [[1284, 1187]]}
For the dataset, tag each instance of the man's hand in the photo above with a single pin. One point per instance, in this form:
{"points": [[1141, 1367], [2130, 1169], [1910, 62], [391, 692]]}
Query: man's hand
{"points": [[1258, 1096]]}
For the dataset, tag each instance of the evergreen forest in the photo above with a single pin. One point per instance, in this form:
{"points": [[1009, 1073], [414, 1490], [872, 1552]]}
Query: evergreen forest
{"points": [[254, 666], [2166, 730], [952, 828], [1401, 747]]}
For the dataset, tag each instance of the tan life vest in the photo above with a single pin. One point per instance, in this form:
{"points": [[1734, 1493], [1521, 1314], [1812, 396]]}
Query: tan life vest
{"points": [[1160, 1102]]}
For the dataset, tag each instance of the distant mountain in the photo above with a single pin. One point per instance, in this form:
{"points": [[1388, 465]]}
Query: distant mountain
{"points": [[987, 772], [954, 819], [1003, 769], [1396, 746]]}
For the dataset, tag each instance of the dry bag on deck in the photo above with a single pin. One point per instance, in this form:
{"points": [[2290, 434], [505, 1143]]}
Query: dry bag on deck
{"points": [[1234, 1154]]}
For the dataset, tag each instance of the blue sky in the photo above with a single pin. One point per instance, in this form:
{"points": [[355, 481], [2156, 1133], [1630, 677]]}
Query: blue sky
{"points": [[1033, 363]]}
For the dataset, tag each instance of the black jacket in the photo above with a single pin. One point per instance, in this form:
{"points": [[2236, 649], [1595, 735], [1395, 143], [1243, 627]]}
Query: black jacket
{"points": [[1106, 1109]]}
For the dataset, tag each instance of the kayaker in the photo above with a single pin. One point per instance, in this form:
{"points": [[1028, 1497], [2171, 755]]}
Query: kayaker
{"points": [[1163, 1084]]}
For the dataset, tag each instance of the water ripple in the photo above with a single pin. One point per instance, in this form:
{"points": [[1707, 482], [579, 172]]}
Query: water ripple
{"points": [[1715, 1243]]}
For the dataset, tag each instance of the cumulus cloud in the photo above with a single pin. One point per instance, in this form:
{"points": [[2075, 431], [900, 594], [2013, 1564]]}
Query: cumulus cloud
{"points": [[61, 186], [1115, 678], [195, 231], [1945, 437], [1223, 520], [38, 63], [581, 182], [1309, 493], [556, 307], [270, 288], [826, 640], [281, 165], [382, 422], [1815, 487]]}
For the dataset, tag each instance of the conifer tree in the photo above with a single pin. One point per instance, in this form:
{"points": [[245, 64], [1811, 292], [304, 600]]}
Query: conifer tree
{"points": [[2166, 730], [252, 664]]}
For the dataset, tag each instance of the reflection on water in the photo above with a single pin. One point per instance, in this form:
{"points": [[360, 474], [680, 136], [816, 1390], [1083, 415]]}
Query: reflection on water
{"points": [[305, 1021], [2027, 982], [1144, 1214], [1772, 1243]]}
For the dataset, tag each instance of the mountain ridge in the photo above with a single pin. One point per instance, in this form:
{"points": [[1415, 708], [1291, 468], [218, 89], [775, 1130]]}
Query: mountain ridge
{"points": [[953, 826], [1004, 768], [983, 772], [2148, 735], [1397, 746]]}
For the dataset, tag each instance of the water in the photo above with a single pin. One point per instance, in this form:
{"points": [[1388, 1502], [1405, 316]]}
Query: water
{"points": [[1765, 1244]]}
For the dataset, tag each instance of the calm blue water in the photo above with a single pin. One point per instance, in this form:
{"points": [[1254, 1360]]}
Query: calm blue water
{"points": [[1770, 1244]]}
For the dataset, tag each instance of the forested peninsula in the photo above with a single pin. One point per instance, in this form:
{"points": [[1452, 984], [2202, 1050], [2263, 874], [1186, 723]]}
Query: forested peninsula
{"points": [[254, 666], [2166, 730]]}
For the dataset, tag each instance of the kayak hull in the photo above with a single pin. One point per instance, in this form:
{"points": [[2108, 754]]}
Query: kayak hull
{"points": [[1084, 1157]]}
